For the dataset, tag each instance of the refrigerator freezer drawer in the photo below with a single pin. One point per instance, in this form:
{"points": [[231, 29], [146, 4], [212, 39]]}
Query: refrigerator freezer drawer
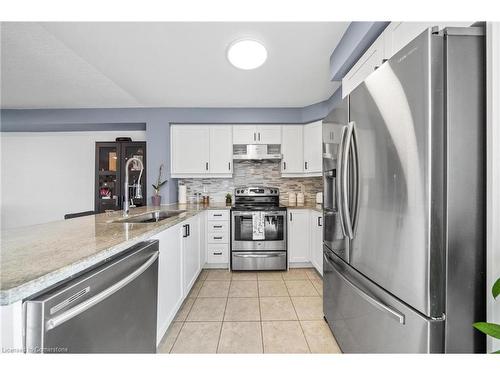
{"points": [[366, 319]]}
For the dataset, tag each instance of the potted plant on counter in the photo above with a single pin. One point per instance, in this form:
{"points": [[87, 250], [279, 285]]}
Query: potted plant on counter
{"points": [[229, 199], [156, 198]]}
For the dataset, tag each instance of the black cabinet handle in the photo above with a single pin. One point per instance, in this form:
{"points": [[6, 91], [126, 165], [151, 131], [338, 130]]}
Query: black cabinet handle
{"points": [[218, 253], [229, 165], [217, 215], [217, 226], [284, 165], [259, 136], [184, 227], [305, 165], [218, 238], [291, 216], [206, 165], [189, 229], [319, 221]]}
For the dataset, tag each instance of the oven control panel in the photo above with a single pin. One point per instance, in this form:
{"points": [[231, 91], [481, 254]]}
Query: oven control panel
{"points": [[257, 191]]}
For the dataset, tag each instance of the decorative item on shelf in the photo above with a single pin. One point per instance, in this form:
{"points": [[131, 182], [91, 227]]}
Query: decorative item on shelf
{"points": [[156, 198], [229, 198]]}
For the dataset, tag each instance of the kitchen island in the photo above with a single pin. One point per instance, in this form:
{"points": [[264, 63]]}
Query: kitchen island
{"points": [[38, 257]]}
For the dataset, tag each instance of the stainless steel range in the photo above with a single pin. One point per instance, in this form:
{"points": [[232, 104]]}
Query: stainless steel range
{"points": [[258, 230]]}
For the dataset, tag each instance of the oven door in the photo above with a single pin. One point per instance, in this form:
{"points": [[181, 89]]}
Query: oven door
{"points": [[274, 231]]}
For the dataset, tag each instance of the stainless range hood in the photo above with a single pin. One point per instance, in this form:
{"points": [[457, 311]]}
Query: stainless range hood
{"points": [[257, 152]]}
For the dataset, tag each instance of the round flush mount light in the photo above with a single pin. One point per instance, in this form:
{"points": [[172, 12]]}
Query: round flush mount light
{"points": [[247, 54]]}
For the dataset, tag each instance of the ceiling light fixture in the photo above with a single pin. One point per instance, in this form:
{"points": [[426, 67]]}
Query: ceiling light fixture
{"points": [[247, 54]]}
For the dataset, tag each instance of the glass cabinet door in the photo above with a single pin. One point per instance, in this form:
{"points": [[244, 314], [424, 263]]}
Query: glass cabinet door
{"points": [[107, 179]]}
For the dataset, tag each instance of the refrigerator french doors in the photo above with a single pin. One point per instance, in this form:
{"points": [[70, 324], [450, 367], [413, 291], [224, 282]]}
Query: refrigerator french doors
{"points": [[409, 179]]}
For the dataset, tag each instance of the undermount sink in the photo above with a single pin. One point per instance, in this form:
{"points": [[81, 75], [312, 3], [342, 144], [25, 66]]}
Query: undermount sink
{"points": [[150, 217]]}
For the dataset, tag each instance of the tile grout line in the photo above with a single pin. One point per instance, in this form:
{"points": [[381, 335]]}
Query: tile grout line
{"points": [[185, 320], [223, 315], [300, 325], [260, 316]]}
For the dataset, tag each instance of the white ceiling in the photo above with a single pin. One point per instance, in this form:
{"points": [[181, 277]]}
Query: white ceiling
{"points": [[135, 64]]}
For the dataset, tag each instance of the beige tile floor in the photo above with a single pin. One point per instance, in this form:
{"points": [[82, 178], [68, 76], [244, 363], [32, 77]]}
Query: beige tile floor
{"points": [[252, 312]]}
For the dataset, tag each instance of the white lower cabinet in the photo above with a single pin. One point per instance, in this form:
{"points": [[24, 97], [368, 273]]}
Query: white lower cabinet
{"points": [[316, 240], [170, 291], [190, 252], [298, 236], [178, 267], [217, 238]]}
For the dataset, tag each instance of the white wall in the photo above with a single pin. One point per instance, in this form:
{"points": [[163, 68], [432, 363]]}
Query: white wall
{"points": [[493, 174], [47, 175]]}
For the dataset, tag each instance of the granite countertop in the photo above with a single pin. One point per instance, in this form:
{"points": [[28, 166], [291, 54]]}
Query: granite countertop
{"points": [[37, 257]]}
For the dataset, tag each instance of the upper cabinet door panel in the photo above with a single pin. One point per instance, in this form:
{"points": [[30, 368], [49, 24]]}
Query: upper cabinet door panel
{"points": [[221, 149], [366, 64], [269, 134], [399, 34], [244, 134], [190, 149], [313, 138], [291, 147]]}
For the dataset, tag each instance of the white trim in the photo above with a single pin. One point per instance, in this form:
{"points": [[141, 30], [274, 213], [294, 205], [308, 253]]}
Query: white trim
{"points": [[493, 173]]}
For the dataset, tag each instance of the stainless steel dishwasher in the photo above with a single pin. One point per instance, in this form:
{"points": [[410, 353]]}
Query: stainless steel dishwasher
{"points": [[109, 309]]}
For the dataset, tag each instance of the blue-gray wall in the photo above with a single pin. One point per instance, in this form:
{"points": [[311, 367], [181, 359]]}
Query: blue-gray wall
{"points": [[156, 121]]}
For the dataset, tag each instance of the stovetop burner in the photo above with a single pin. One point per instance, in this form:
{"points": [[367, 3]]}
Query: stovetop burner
{"points": [[257, 198]]}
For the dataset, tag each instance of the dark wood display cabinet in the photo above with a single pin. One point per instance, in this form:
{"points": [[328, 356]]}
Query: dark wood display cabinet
{"points": [[110, 160]]}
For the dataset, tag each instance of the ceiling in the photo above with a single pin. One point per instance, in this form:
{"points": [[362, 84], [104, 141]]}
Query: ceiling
{"points": [[165, 64]]}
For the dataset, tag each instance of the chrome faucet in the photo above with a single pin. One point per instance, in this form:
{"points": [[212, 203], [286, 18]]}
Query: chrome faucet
{"points": [[138, 189]]}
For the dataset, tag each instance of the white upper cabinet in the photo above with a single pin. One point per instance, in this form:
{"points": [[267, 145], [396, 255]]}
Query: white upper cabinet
{"points": [[244, 134], [221, 149], [313, 143], [190, 149], [291, 146], [201, 151], [394, 37], [366, 64], [269, 134], [256, 134], [399, 34]]}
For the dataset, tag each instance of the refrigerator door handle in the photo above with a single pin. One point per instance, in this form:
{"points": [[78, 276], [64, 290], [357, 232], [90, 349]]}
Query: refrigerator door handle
{"points": [[338, 180], [357, 186], [344, 178], [373, 301]]}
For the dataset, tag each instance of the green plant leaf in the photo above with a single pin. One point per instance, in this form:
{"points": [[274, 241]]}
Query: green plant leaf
{"points": [[497, 352], [491, 329], [496, 289]]}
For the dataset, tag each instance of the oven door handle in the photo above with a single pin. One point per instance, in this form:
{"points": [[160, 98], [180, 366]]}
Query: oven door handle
{"points": [[274, 255]]}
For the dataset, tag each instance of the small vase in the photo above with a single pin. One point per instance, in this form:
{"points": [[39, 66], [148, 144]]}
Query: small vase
{"points": [[156, 200]]}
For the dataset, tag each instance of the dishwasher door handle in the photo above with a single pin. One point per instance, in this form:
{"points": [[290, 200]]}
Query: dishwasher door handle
{"points": [[80, 308]]}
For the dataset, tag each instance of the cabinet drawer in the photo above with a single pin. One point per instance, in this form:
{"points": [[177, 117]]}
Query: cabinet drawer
{"points": [[218, 237], [217, 253], [218, 215], [218, 226]]}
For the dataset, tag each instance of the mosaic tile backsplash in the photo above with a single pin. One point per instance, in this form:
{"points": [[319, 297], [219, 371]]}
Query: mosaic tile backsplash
{"points": [[256, 173]]}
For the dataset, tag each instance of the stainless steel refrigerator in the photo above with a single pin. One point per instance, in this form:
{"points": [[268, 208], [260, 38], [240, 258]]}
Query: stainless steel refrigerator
{"points": [[404, 201]]}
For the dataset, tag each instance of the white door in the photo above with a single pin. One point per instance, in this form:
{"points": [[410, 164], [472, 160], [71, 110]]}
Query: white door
{"points": [[190, 149], [316, 225], [170, 292], [269, 134], [313, 143], [221, 149], [292, 149], [244, 134], [298, 236], [190, 231]]}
